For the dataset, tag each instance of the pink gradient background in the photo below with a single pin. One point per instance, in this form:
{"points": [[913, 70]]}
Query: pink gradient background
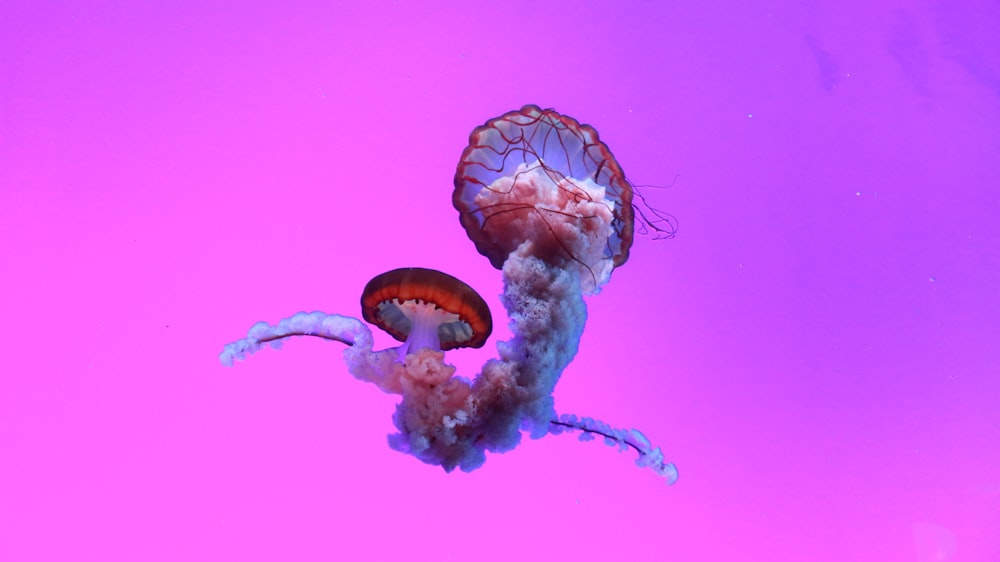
{"points": [[817, 350]]}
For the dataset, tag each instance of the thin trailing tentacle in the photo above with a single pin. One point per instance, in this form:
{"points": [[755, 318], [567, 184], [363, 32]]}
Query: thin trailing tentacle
{"points": [[649, 456], [334, 327]]}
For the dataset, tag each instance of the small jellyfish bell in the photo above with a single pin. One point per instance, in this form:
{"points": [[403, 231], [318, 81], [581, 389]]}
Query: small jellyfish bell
{"points": [[536, 177], [426, 309]]}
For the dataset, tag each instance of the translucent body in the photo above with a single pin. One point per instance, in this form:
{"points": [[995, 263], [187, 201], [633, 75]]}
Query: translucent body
{"points": [[534, 174]]}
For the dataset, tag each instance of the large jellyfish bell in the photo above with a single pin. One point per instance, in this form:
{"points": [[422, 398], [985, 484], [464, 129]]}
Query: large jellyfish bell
{"points": [[536, 177]]}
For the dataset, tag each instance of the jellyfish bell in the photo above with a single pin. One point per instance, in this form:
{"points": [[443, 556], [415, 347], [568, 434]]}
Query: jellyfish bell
{"points": [[426, 309], [538, 177]]}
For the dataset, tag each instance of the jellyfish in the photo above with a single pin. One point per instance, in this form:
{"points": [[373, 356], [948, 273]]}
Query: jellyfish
{"points": [[424, 308], [543, 199]]}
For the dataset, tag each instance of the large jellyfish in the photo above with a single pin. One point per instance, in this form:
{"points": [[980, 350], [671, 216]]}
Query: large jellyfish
{"points": [[544, 200]]}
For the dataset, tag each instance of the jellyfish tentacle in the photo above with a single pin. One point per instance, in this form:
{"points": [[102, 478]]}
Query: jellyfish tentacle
{"points": [[649, 456], [316, 324]]}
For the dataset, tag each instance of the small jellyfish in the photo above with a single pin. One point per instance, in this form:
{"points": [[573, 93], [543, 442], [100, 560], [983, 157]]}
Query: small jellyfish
{"points": [[426, 309]]}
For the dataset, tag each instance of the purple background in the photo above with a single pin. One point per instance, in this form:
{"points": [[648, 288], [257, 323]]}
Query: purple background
{"points": [[816, 349]]}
